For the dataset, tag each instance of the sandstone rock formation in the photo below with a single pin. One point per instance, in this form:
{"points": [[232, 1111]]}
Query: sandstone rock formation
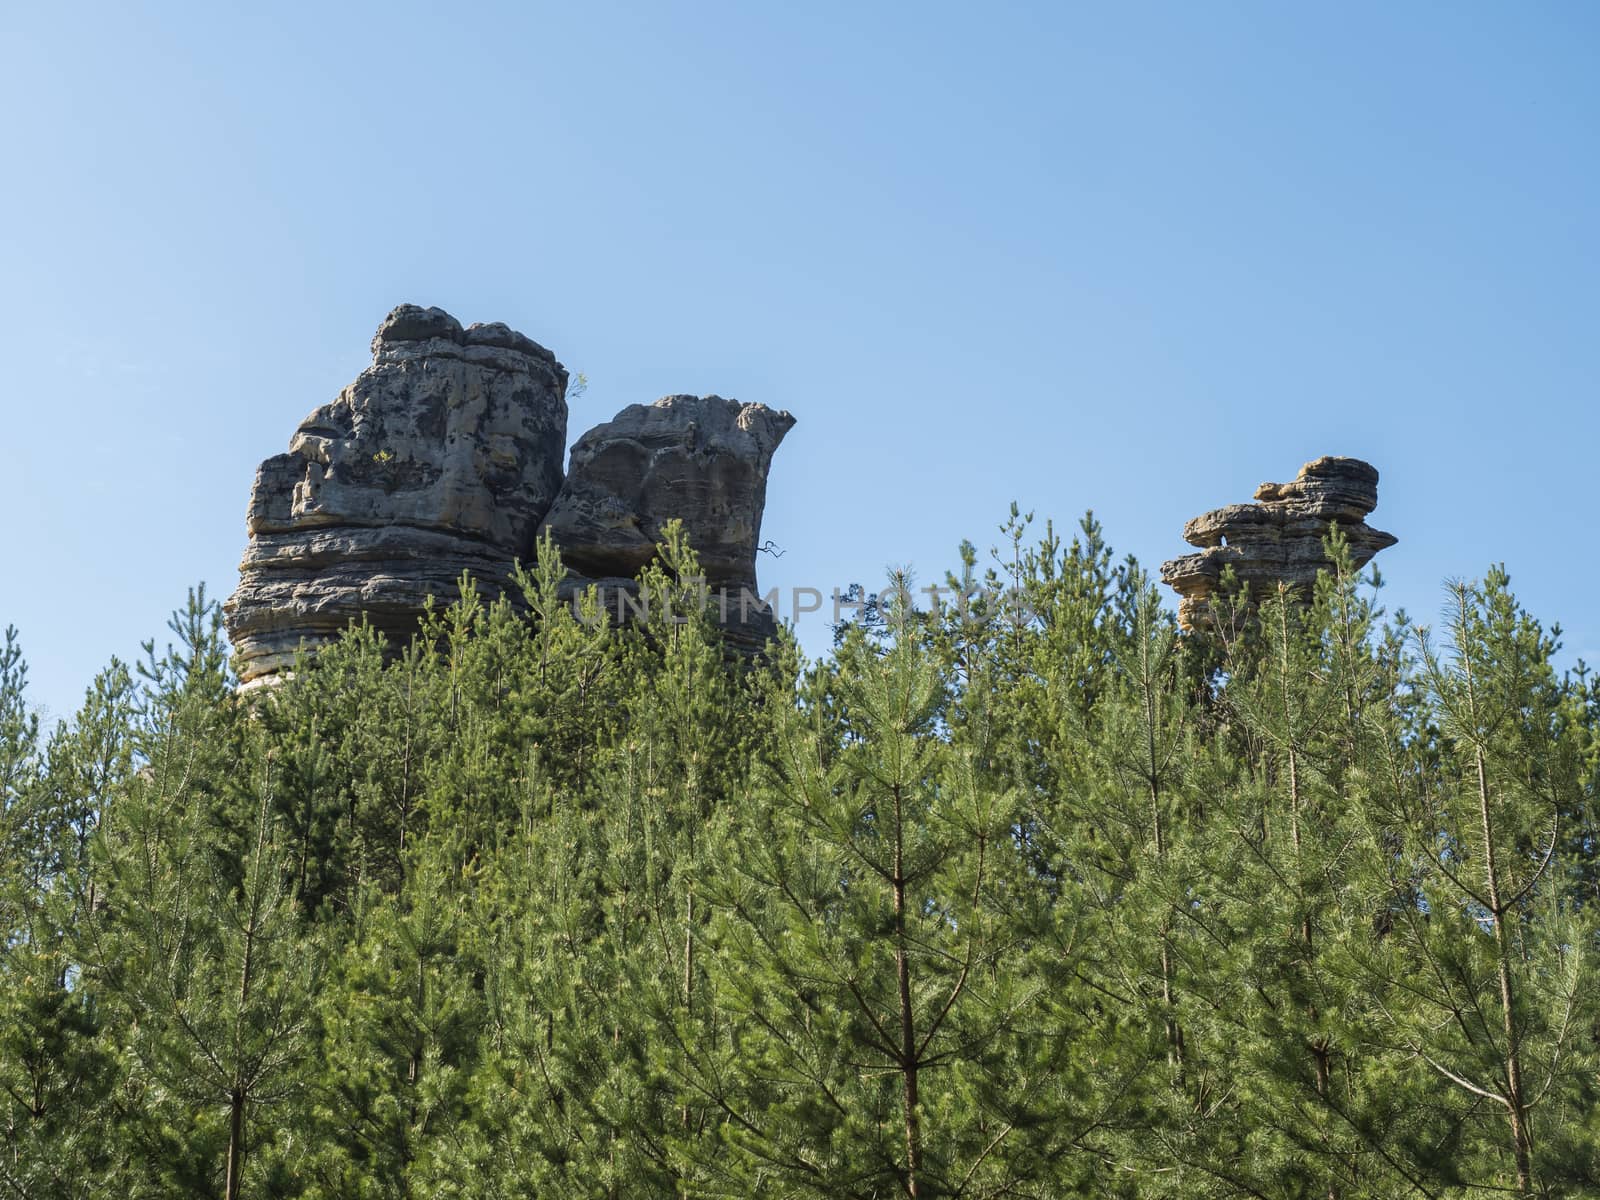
{"points": [[445, 455], [441, 457], [701, 459], [1279, 539]]}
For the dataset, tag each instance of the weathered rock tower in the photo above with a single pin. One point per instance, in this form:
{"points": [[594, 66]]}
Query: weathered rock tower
{"points": [[1279, 538], [445, 456]]}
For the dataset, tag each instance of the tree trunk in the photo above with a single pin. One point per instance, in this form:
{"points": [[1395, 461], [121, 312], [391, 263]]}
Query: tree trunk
{"points": [[235, 1144], [908, 1029], [237, 1097], [1174, 1031], [1516, 1101]]}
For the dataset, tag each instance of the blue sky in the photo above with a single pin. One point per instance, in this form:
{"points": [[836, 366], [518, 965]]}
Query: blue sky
{"points": [[1130, 257]]}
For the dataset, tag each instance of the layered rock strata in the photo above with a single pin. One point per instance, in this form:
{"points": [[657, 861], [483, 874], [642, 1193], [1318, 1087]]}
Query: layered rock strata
{"points": [[445, 456], [441, 457], [1280, 538], [700, 459]]}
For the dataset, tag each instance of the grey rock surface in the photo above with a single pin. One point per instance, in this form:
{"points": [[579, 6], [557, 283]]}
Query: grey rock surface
{"points": [[442, 457], [701, 459], [1278, 539]]}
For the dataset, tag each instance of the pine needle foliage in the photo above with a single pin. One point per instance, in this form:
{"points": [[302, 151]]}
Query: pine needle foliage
{"points": [[1020, 892]]}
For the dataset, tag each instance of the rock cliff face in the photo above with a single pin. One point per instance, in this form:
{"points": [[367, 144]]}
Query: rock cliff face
{"points": [[445, 455], [701, 459], [1279, 538]]}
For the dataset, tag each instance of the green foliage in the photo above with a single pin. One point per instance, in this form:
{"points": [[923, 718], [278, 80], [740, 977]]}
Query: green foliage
{"points": [[893, 1029], [1021, 894]]}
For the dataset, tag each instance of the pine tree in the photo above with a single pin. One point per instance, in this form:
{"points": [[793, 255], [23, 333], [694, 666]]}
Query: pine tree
{"points": [[400, 1026], [889, 1029], [202, 954], [1487, 980], [1314, 1114], [596, 985]]}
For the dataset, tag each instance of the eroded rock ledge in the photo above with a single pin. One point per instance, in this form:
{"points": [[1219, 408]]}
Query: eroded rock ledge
{"points": [[1279, 539], [445, 456]]}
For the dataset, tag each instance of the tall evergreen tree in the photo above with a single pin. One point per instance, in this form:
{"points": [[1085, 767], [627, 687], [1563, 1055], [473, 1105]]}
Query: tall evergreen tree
{"points": [[1488, 979], [874, 942]]}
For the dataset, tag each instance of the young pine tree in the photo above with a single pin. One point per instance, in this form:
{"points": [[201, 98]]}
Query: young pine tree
{"points": [[1487, 983], [890, 1032]]}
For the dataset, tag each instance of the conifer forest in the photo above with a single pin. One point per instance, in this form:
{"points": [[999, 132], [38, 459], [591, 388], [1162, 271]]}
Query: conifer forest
{"points": [[1027, 895]]}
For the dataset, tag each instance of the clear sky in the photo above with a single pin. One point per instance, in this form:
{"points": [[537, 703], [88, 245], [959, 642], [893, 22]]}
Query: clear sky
{"points": [[1132, 257]]}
